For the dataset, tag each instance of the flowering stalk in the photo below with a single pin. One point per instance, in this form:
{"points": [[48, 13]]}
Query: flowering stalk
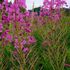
{"points": [[52, 8], [15, 28]]}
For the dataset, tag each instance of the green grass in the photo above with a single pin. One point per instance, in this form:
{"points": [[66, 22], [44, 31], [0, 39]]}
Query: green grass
{"points": [[50, 52]]}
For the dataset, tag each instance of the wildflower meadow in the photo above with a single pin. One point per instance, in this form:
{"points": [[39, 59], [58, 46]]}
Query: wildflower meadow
{"points": [[31, 40]]}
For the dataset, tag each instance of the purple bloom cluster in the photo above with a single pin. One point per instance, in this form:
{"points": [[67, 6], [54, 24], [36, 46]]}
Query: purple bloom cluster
{"points": [[14, 26], [52, 8]]}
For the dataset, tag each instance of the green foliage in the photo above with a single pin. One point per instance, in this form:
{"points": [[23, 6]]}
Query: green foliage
{"points": [[22, 9], [67, 12], [1, 1], [50, 52]]}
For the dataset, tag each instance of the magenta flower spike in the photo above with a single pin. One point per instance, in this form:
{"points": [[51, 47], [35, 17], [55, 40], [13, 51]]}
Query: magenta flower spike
{"points": [[52, 5]]}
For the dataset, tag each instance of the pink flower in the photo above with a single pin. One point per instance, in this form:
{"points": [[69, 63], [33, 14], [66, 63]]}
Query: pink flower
{"points": [[24, 42], [28, 25], [1, 27], [0, 6], [5, 35], [25, 50], [6, 0], [9, 37], [28, 30], [16, 43], [31, 40], [56, 17], [21, 3]]}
